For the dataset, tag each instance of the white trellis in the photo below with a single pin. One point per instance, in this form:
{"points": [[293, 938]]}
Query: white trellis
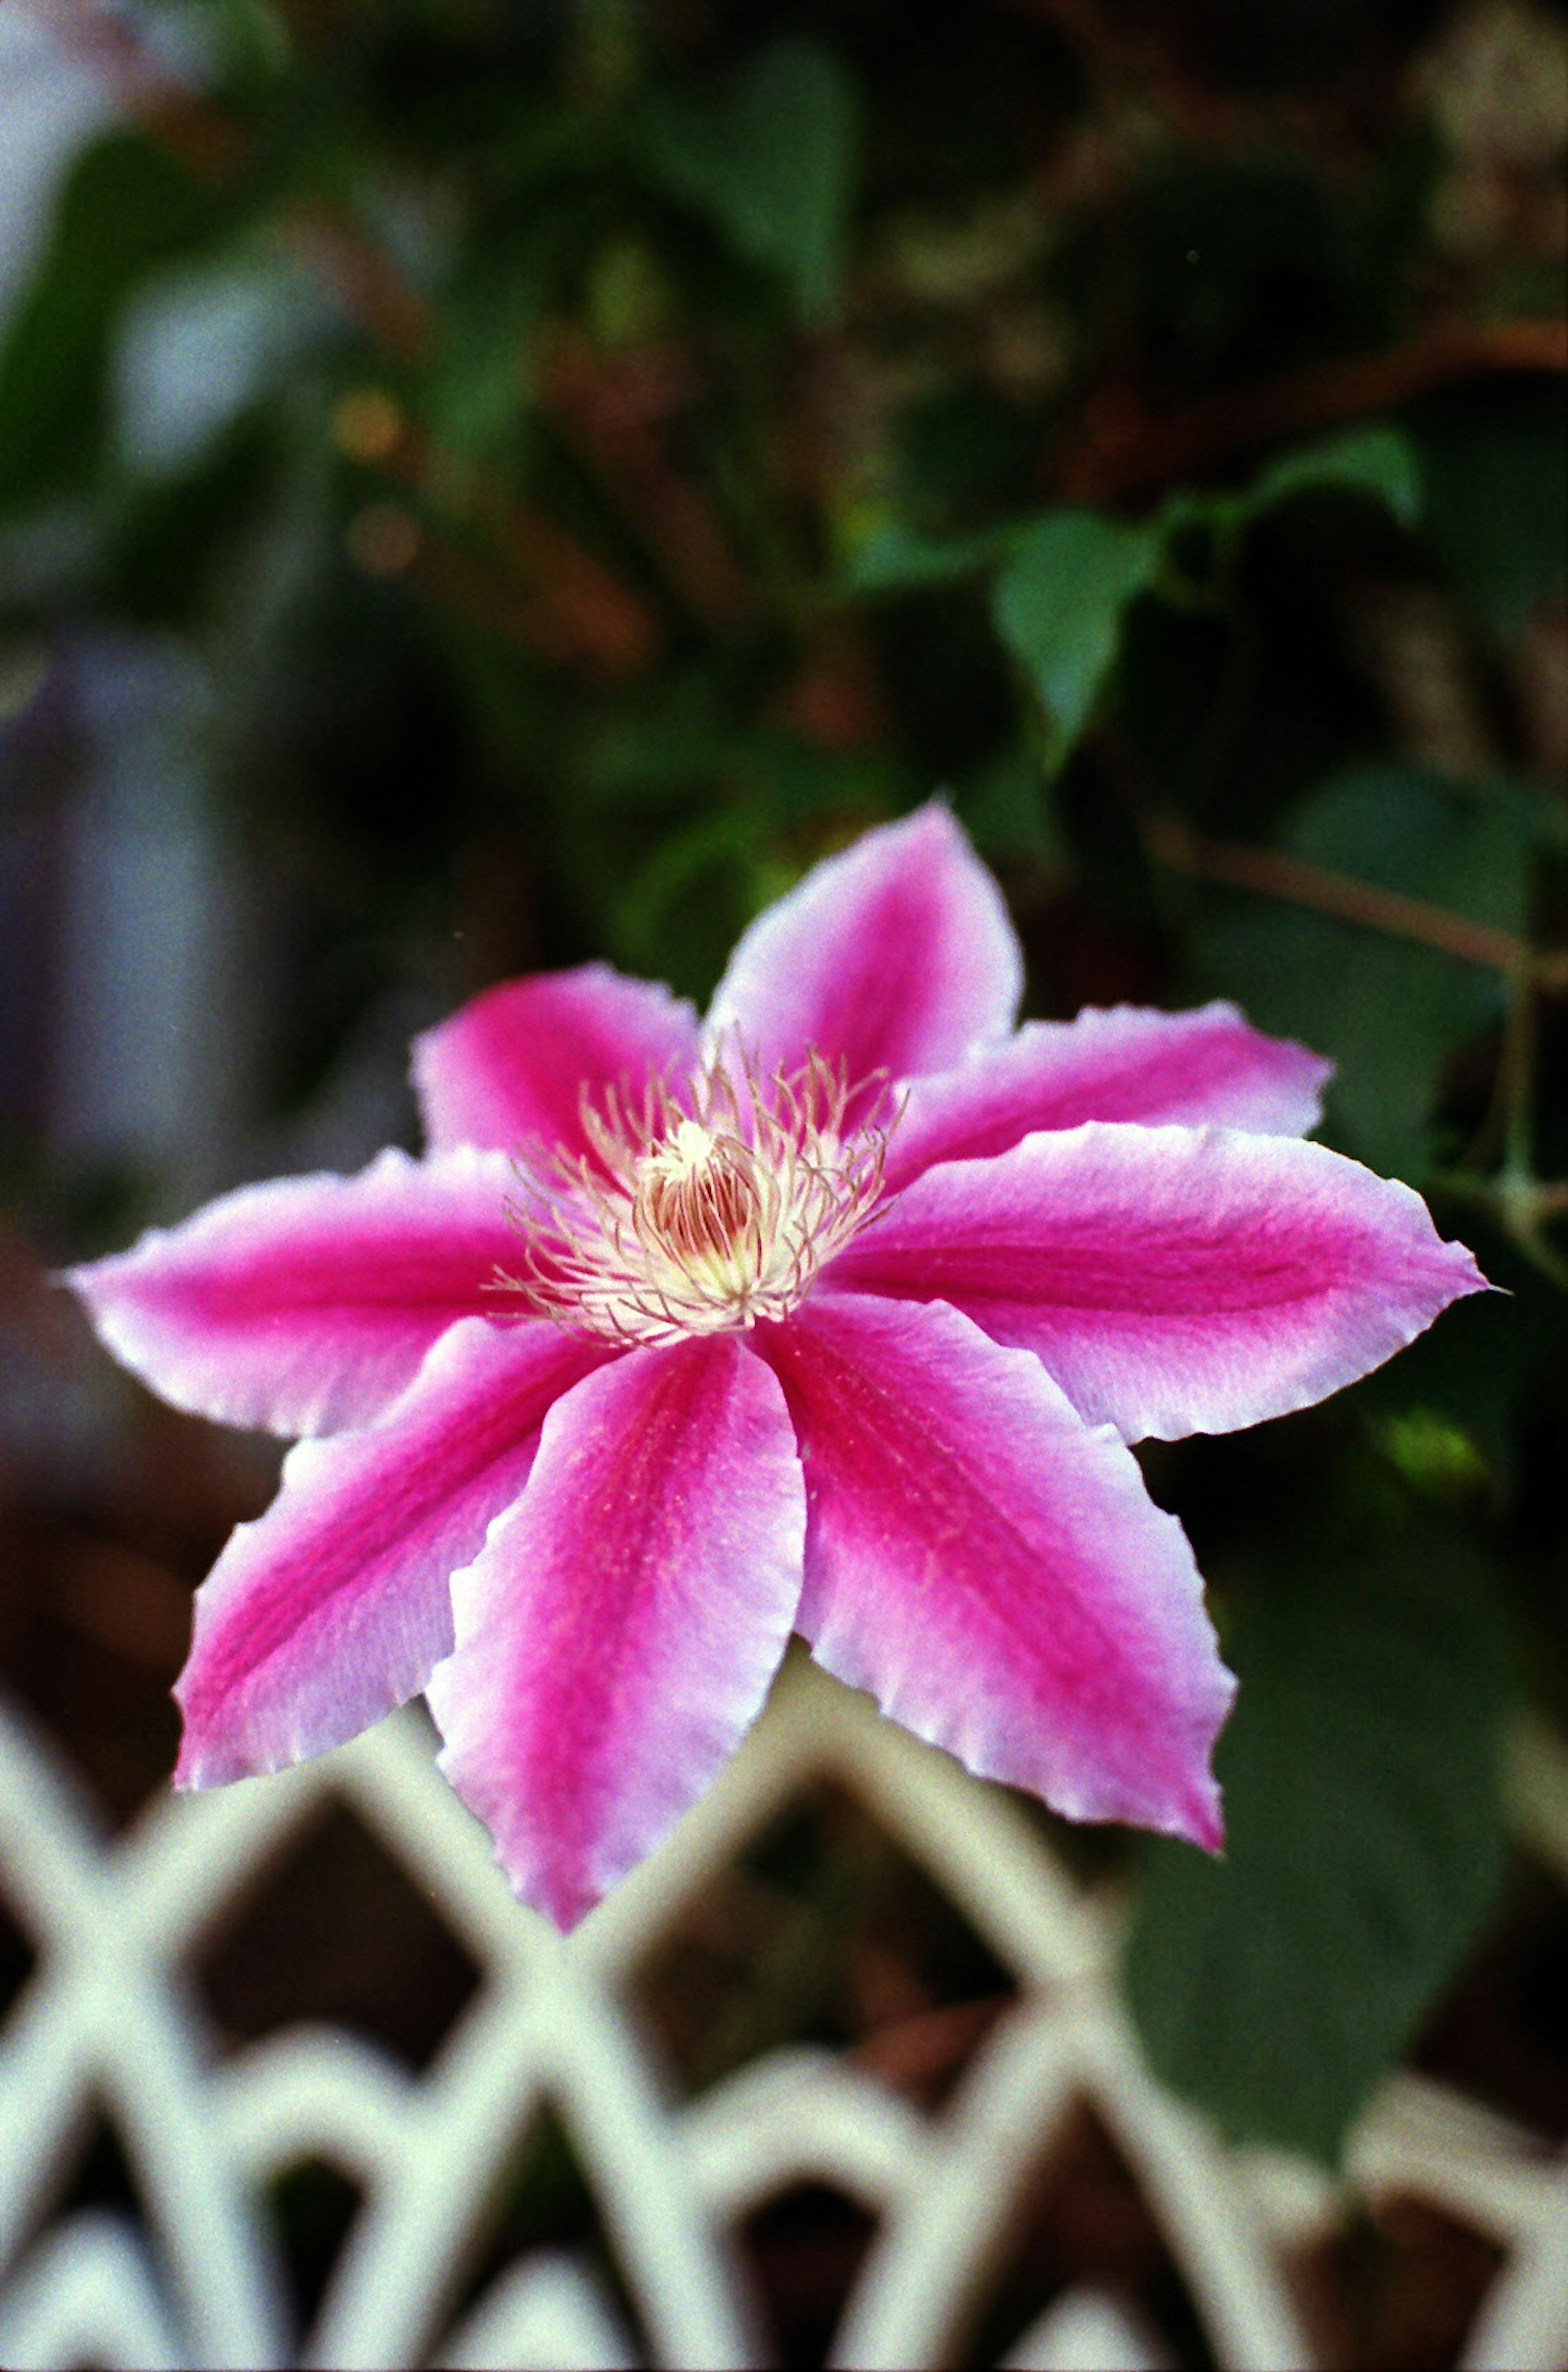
{"points": [[109, 2019]]}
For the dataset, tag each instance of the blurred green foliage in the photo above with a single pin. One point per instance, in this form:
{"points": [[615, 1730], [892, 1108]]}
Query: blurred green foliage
{"points": [[1360, 1770], [607, 453]]}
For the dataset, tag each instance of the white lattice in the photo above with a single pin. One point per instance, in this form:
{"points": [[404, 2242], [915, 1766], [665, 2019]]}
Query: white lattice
{"points": [[109, 2020]]}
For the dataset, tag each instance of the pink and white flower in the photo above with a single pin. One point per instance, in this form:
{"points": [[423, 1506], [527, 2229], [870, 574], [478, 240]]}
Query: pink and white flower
{"points": [[834, 1314]]}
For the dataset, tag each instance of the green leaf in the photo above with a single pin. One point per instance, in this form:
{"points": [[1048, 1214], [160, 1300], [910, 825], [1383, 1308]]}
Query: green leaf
{"points": [[1390, 1011], [897, 559], [1497, 509], [1490, 1359], [1058, 605], [1375, 459], [771, 161], [1364, 1844], [1009, 814], [676, 913], [185, 538], [480, 386], [126, 210]]}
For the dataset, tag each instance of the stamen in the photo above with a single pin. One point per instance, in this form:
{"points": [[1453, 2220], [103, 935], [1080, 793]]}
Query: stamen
{"points": [[698, 1212]]}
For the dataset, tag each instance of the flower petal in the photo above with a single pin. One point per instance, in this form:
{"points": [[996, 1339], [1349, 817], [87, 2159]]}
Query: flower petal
{"points": [[334, 1606], [617, 1636], [515, 1063], [896, 956], [307, 1303], [1125, 1063], [1173, 1280], [994, 1572]]}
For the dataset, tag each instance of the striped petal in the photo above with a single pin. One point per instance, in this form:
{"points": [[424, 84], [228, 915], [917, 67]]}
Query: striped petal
{"points": [[895, 957], [334, 1606], [1126, 1063], [994, 1571], [511, 1068], [306, 1304], [1173, 1280], [617, 1636]]}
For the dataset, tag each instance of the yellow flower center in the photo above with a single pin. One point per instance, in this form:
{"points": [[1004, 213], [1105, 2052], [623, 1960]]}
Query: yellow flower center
{"points": [[698, 1212]]}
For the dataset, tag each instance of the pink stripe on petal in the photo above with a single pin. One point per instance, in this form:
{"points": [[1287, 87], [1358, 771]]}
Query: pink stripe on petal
{"points": [[1173, 1280], [1126, 1063], [618, 1635], [306, 1304], [513, 1065], [895, 956], [335, 1605], [993, 1571]]}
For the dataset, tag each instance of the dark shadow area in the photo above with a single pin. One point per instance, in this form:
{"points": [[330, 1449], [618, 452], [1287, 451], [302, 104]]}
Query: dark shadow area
{"points": [[339, 1932]]}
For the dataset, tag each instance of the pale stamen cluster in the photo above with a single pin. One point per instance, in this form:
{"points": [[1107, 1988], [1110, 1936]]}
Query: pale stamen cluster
{"points": [[704, 1211]]}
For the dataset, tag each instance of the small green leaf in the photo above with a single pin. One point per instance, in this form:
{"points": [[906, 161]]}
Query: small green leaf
{"points": [[771, 161], [1365, 1845], [1375, 459], [1058, 605], [896, 559]]}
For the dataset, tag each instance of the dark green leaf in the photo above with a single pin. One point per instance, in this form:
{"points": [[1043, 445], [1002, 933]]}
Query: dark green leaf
{"points": [[1389, 1010], [1364, 1844], [1374, 460], [679, 907], [896, 559], [1491, 1358], [1009, 814], [1497, 505], [1058, 605], [127, 210], [182, 538], [771, 161]]}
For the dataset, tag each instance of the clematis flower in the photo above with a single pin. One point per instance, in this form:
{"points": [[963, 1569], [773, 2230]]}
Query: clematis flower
{"points": [[835, 1314]]}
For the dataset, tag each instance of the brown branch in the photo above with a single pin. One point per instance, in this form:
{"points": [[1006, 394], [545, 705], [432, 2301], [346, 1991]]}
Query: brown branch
{"points": [[1127, 450], [617, 411], [1123, 54], [373, 290], [596, 615], [1271, 874]]}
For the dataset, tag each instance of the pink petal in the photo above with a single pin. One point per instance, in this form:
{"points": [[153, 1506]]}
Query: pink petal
{"points": [[515, 1063], [1125, 1063], [307, 1303], [617, 1636], [334, 1607], [1173, 1280], [896, 956], [993, 1571]]}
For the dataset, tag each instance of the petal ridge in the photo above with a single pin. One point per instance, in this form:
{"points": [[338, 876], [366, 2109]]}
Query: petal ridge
{"points": [[1173, 1280], [893, 957], [616, 1634], [1111, 1063], [334, 1606], [306, 1304], [510, 1068], [993, 1569]]}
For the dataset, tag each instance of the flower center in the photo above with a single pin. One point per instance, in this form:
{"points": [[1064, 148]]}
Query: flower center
{"points": [[698, 1214]]}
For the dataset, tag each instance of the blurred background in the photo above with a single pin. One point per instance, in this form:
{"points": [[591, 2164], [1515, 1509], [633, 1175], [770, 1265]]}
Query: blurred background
{"points": [[491, 484]]}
